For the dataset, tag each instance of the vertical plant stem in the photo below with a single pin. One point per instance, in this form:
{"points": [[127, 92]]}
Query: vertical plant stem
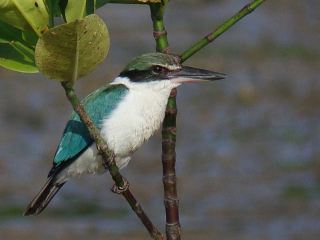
{"points": [[122, 185], [197, 46], [159, 31], [171, 201]]}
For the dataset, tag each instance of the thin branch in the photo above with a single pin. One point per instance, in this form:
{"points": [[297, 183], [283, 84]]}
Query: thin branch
{"points": [[169, 129], [249, 8], [122, 185]]}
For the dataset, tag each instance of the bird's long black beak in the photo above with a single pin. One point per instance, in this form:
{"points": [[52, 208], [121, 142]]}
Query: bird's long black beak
{"points": [[190, 74]]}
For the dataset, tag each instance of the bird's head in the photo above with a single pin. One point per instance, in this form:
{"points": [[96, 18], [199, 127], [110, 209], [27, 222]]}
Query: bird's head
{"points": [[162, 71]]}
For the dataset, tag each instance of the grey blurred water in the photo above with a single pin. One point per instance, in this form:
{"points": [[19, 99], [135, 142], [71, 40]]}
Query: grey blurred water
{"points": [[247, 150]]}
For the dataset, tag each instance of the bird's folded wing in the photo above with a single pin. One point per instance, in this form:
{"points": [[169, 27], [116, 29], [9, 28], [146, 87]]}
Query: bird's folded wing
{"points": [[76, 139]]}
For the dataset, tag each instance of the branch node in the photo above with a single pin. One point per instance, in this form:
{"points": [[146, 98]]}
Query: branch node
{"points": [[170, 178], [210, 37], [172, 111], [121, 189], [173, 230], [170, 202], [173, 92], [159, 34], [164, 50], [171, 130], [247, 8]]}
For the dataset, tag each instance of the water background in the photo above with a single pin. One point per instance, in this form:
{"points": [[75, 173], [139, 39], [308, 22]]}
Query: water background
{"points": [[248, 155]]}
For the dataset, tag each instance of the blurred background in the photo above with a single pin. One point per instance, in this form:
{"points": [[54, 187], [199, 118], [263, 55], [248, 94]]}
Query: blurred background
{"points": [[248, 155]]}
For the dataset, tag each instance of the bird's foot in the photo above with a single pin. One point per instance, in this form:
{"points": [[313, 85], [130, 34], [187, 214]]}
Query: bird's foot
{"points": [[120, 190]]}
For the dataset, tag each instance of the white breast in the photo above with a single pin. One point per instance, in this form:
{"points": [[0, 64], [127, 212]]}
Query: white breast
{"points": [[137, 117], [133, 122]]}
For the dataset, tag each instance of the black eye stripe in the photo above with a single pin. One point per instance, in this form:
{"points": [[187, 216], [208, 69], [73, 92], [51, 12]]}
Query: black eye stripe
{"points": [[153, 73], [145, 75], [159, 69], [137, 76]]}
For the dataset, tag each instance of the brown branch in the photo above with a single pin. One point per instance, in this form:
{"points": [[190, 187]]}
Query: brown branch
{"points": [[171, 202], [121, 184]]}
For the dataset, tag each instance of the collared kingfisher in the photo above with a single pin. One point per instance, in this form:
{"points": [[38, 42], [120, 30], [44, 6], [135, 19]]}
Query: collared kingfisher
{"points": [[127, 112]]}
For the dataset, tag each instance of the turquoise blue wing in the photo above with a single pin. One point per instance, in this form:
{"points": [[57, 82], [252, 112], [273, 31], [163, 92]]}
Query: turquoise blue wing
{"points": [[76, 139]]}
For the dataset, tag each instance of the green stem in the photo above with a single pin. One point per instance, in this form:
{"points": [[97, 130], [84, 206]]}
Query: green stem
{"points": [[122, 185], [168, 134], [249, 8], [159, 31]]}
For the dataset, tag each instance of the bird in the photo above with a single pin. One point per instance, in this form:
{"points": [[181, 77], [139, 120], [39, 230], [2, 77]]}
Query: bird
{"points": [[127, 112]]}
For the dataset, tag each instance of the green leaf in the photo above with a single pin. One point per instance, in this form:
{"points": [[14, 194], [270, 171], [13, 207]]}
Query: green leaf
{"points": [[91, 5], [10, 33], [25, 14], [17, 57], [53, 7], [17, 49], [53, 10], [73, 9], [100, 3], [30, 38], [62, 8], [72, 50]]}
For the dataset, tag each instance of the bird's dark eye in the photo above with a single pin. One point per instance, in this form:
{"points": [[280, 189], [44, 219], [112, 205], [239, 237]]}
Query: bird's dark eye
{"points": [[158, 69]]}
